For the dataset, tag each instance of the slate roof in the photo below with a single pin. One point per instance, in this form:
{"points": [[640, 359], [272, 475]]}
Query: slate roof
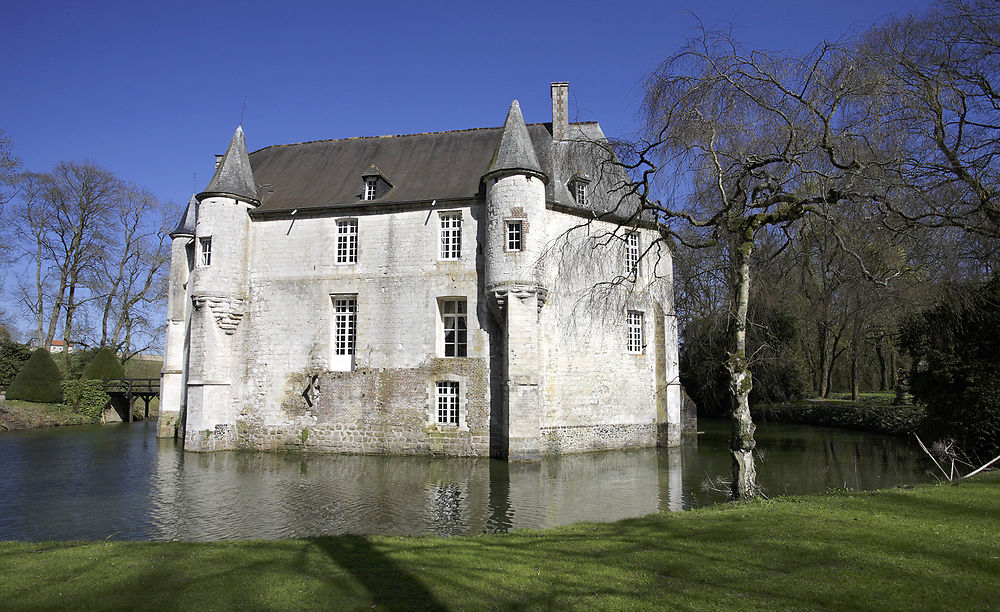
{"points": [[443, 166], [515, 150], [185, 227], [233, 177]]}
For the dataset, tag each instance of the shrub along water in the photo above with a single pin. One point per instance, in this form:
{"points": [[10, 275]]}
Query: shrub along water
{"points": [[86, 397], [956, 355], [38, 380], [878, 418]]}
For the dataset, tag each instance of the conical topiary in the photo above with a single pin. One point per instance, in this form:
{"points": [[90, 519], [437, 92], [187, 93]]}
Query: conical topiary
{"points": [[38, 380], [104, 366]]}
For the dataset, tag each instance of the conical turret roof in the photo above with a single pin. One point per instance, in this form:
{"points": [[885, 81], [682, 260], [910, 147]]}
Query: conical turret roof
{"points": [[514, 152], [233, 177], [185, 227]]}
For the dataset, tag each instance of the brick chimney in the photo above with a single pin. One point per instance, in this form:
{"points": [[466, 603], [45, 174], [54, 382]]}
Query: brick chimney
{"points": [[560, 111]]}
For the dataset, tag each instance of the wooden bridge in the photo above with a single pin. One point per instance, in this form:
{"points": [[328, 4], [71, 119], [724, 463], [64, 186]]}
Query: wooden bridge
{"points": [[124, 392]]}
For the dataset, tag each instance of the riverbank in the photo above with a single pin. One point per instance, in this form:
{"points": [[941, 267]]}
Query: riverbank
{"points": [[927, 547], [17, 414], [873, 412]]}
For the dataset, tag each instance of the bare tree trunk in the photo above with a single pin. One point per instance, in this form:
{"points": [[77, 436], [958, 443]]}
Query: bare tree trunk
{"points": [[880, 353], [855, 385], [822, 334], [741, 442]]}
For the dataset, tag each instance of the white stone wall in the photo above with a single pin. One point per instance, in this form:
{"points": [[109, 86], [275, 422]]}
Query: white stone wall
{"points": [[399, 279], [596, 393]]}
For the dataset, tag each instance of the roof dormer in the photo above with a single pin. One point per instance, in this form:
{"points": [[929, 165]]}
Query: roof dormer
{"points": [[579, 188], [375, 184]]}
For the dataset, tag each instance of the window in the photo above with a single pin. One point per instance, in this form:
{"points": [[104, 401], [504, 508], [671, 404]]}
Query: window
{"points": [[455, 318], [451, 236], [347, 241], [345, 329], [632, 253], [447, 402], [205, 248], [514, 235], [634, 343], [370, 188], [581, 193]]}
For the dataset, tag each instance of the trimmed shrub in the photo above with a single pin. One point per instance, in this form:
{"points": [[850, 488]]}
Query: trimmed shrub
{"points": [[38, 380], [86, 397], [104, 366], [879, 418], [13, 356]]}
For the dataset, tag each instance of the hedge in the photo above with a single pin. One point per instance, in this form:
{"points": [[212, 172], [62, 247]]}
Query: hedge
{"points": [[38, 380]]}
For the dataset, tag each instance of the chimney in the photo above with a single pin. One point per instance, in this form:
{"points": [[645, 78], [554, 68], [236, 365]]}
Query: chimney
{"points": [[218, 160], [560, 111]]}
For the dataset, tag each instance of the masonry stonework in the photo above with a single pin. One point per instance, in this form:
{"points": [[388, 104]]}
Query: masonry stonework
{"points": [[425, 329]]}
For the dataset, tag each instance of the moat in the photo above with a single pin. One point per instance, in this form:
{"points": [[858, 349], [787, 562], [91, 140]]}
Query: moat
{"points": [[119, 482]]}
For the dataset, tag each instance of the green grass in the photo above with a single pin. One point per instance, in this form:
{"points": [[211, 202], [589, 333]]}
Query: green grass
{"points": [[136, 368], [930, 547], [18, 414]]}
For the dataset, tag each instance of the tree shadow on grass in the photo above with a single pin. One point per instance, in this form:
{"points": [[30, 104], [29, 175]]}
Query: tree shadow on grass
{"points": [[387, 583]]}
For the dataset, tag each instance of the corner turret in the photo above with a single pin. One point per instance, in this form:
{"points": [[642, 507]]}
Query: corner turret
{"points": [[233, 176], [172, 387], [218, 295], [514, 242]]}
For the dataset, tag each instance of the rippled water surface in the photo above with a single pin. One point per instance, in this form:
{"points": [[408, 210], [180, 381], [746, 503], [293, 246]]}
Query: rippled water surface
{"points": [[120, 482]]}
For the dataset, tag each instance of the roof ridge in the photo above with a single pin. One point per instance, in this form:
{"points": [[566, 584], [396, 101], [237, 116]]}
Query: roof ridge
{"points": [[477, 129]]}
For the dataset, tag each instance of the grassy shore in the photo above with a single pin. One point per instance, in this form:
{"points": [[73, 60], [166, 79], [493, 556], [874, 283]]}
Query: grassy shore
{"points": [[17, 414], [929, 547]]}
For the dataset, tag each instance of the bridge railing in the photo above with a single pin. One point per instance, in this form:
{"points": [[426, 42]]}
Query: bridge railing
{"points": [[132, 385], [132, 388]]}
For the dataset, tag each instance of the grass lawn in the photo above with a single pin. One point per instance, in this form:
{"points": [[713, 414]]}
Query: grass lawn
{"points": [[929, 547]]}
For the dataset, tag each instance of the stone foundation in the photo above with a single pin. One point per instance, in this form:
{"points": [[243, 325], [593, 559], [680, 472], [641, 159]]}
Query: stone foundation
{"points": [[586, 438]]}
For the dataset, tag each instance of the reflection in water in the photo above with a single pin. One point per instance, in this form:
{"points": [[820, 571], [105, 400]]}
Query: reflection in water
{"points": [[120, 482]]}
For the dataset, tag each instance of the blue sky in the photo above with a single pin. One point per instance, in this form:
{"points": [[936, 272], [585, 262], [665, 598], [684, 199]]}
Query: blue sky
{"points": [[152, 91]]}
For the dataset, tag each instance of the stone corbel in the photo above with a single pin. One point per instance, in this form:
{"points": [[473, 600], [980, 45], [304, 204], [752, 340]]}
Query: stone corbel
{"points": [[227, 311], [521, 292]]}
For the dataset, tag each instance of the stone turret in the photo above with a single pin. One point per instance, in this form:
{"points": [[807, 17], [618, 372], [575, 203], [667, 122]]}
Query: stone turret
{"points": [[218, 297], [515, 235], [172, 395]]}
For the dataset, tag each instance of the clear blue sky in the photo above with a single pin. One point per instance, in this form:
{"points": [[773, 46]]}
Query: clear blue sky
{"points": [[152, 91]]}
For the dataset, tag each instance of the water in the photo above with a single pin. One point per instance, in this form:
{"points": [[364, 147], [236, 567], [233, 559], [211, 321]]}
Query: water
{"points": [[119, 482]]}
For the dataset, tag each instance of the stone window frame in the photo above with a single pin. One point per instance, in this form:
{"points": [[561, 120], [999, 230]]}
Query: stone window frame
{"points": [[632, 250], [204, 251], [348, 255], [450, 235], [343, 361], [442, 326], [463, 404], [509, 242], [635, 333]]}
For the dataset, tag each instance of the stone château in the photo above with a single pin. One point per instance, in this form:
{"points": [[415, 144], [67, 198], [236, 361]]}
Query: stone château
{"points": [[482, 292]]}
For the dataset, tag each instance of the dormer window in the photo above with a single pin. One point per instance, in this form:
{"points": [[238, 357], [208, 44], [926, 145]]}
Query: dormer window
{"points": [[578, 187], [376, 185]]}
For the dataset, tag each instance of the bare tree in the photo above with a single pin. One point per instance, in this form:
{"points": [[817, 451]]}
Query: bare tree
{"points": [[748, 143], [936, 77], [130, 276]]}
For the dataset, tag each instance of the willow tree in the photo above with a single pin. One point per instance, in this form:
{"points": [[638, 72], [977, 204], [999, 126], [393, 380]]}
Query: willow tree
{"points": [[746, 143]]}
